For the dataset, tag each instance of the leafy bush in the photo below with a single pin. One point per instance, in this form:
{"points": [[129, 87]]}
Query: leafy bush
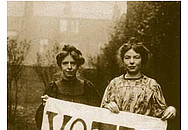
{"points": [[16, 53], [157, 25]]}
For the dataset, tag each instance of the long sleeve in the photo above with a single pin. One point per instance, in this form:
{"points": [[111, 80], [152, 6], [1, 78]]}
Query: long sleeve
{"points": [[158, 100], [93, 95], [51, 90], [109, 94]]}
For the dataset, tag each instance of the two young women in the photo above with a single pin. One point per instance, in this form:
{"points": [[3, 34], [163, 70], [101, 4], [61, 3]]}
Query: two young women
{"points": [[131, 92]]}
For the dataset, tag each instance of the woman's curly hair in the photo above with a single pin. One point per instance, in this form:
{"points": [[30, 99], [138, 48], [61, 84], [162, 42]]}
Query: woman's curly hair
{"points": [[137, 47], [73, 51]]}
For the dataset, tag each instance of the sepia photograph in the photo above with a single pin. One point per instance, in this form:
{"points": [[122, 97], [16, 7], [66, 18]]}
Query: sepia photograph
{"points": [[93, 65]]}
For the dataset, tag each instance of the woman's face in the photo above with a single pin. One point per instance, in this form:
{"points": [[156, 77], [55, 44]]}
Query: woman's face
{"points": [[69, 67], [132, 61]]}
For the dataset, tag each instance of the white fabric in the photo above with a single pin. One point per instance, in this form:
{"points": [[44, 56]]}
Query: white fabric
{"points": [[88, 114]]}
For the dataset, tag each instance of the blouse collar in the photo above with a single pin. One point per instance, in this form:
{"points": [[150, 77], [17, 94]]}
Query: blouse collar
{"points": [[127, 78]]}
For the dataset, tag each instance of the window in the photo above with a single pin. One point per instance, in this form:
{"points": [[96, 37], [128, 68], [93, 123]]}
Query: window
{"points": [[43, 45], [71, 26], [63, 25], [74, 26]]}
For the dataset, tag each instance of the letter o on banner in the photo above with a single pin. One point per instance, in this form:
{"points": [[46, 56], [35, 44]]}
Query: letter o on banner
{"points": [[76, 121]]}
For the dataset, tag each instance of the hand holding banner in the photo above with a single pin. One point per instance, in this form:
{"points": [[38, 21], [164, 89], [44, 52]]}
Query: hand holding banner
{"points": [[63, 115]]}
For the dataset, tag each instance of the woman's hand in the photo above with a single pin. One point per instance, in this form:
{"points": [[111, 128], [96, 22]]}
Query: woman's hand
{"points": [[169, 113], [44, 99], [112, 106]]}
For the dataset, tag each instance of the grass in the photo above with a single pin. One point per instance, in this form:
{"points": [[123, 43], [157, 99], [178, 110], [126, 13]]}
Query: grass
{"points": [[25, 117]]}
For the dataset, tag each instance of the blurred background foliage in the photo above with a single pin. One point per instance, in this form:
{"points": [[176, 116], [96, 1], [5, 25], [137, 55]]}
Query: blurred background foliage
{"points": [[46, 65], [16, 53], [156, 24]]}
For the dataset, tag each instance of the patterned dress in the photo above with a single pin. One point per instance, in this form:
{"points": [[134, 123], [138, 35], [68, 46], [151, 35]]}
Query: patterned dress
{"points": [[142, 95]]}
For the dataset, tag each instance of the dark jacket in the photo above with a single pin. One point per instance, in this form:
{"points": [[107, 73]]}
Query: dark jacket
{"points": [[78, 90]]}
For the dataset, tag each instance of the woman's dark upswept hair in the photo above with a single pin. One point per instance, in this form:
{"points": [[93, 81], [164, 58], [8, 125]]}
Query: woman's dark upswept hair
{"points": [[73, 51], [138, 47]]}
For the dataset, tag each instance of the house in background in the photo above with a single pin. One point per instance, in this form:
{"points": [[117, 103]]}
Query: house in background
{"points": [[86, 25]]}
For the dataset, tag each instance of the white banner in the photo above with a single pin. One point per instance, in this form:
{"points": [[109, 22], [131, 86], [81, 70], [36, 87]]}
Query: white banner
{"points": [[63, 115]]}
